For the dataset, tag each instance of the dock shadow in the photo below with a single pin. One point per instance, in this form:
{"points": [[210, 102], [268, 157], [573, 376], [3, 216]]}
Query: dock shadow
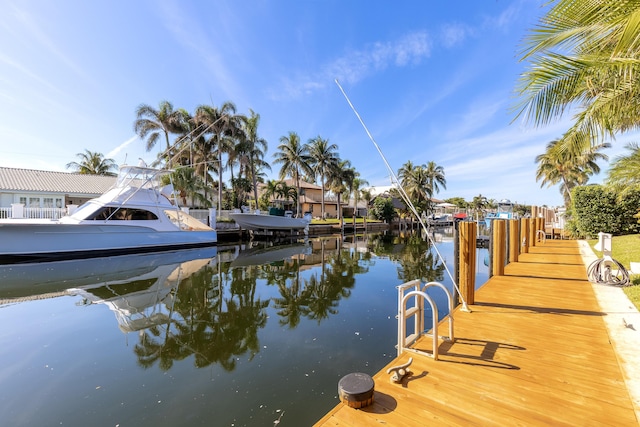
{"points": [[540, 310], [383, 403], [486, 358], [411, 377]]}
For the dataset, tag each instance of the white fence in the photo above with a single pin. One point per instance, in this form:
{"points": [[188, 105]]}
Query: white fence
{"points": [[33, 213]]}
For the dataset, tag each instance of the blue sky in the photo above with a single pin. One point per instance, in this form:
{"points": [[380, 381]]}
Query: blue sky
{"points": [[432, 81]]}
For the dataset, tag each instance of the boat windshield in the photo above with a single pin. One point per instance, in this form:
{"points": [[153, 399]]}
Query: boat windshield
{"points": [[85, 211], [139, 177]]}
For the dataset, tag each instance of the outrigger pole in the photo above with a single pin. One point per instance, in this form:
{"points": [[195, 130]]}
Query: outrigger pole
{"points": [[405, 197]]}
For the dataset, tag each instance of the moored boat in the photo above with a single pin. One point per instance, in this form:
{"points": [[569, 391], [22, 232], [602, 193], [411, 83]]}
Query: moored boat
{"points": [[504, 211], [259, 221], [135, 215]]}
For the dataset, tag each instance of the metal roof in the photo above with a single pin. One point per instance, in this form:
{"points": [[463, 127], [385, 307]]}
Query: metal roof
{"points": [[30, 180]]}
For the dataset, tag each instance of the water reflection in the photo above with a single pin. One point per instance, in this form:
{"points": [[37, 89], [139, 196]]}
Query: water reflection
{"points": [[216, 308]]}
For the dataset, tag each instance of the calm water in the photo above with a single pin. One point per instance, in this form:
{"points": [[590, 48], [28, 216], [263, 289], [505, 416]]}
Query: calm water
{"points": [[232, 336]]}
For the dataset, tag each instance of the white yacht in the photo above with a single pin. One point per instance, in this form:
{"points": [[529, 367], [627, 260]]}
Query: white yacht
{"points": [[136, 215]]}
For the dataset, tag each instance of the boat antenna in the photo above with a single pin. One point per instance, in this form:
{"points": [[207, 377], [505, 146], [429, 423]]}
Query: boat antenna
{"points": [[405, 198]]}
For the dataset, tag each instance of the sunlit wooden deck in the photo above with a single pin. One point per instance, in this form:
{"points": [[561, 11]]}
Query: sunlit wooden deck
{"points": [[534, 351]]}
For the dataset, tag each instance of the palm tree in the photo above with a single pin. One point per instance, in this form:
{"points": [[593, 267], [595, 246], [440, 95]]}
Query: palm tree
{"points": [[221, 123], [93, 164], [188, 184], [324, 159], [271, 188], [187, 128], [435, 177], [558, 166], [152, 124], [295, 160], [340, 180], [356, 189], [479, 204], [254, 148], [625, 170], [415, 182], [584, 54]]}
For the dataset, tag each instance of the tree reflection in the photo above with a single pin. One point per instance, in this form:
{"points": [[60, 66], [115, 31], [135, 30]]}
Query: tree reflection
{"points": [[414, 255], [216, 314], [211, 325]]}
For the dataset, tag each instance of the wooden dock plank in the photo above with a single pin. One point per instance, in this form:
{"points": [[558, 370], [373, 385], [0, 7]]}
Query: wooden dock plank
{"points": [[534, 351]]}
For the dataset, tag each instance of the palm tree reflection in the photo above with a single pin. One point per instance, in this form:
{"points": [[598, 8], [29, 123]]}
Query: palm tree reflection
{"points": [[217, 313]]}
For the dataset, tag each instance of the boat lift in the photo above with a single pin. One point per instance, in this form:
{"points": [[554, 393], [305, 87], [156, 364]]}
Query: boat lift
{"points": [[414, 289]]}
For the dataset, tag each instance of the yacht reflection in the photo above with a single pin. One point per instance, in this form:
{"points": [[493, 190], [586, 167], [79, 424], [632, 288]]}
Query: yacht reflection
{"points": [[142, 301], [28, 281]]}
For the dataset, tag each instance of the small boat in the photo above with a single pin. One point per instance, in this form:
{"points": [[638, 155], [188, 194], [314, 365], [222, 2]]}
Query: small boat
{"points": [[504, 211], [135, 215], [260, 221]]}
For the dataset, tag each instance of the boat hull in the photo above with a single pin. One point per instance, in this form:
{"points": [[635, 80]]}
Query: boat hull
{"points": [[32, 242], [250, 221]]}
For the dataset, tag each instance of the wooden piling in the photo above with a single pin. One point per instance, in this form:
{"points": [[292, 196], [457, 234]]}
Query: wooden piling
{"points": [[532, 232], [514, 240], [524, 236], [499, 236], [540, 226], [467, 260]]}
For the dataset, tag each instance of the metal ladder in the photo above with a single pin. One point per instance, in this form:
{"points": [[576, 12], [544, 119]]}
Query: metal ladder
{"points": [[417, 312]]}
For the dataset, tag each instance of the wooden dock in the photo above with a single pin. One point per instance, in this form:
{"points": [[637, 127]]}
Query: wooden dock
{"points": [[534, 351]]}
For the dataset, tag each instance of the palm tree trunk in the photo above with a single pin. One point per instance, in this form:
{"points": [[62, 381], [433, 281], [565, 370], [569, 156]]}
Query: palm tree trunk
{"points": [[322, 204], [219, 176]]}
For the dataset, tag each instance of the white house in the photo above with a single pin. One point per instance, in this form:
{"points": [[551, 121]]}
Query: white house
{"points": [[41, 193]]}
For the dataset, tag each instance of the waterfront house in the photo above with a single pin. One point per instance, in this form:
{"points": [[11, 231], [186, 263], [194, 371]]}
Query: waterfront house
{"points": [[311, 199], [34, 193]]}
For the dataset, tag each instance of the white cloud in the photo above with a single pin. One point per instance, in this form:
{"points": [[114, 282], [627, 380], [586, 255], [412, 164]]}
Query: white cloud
{"points": [[454, 34], [356, 65]]}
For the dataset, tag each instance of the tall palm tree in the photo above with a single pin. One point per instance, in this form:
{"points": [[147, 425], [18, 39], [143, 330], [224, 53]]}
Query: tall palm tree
{"points": [[93, 163], [558, 166], [415, 182], [222, 123], [324, 159], [435, 177], [254, 148], [584, 55], [295, 160], [152, 124]]}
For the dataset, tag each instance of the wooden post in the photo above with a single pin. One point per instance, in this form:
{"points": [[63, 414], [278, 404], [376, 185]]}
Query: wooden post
{"points": [[524, 236], [532, 232], [539, 226], [467, 260], [514, 240], [499, 235]]}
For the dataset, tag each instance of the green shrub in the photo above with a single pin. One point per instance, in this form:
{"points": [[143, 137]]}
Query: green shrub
{"points": [[382, 209], [597, 208]]}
